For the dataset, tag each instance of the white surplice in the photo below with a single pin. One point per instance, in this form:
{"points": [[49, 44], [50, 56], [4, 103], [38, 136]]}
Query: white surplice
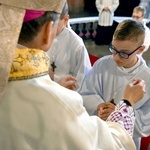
{"points": [[70, 56], [106, 17], [106, 81]]}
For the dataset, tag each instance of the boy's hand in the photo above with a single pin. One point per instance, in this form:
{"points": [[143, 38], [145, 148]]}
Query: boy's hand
{"points": [[105, 109], [69, 82]]}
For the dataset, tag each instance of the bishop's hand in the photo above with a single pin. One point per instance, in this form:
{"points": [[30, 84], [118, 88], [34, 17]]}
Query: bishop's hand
{"points": [[134, 91]]}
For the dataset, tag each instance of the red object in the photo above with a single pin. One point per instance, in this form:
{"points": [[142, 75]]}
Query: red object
{"points": [[145, 143], [32, 14], [93, 58]]}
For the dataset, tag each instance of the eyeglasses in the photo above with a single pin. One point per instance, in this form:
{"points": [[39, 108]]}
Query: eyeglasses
{"points": [[136, 17], [121, 53]]}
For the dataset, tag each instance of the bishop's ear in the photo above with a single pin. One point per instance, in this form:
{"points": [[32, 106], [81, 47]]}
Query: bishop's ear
{"points": [[49, 34]]}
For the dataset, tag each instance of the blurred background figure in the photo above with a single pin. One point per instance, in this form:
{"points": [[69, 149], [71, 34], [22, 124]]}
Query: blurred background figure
{"points": [[106, 10], [146, 5], [139, 14]]}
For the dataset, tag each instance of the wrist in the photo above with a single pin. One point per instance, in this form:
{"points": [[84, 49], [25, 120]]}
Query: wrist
{"points": [[126, 102]]}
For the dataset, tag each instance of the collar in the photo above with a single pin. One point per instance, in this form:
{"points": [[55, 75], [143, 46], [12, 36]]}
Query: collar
{"points": [[29, 63], [129, 70]]}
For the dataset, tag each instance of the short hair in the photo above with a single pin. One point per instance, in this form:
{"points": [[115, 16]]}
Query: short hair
{"points": [[64, 11], [141, 9], [130, 30], [31, 28]]}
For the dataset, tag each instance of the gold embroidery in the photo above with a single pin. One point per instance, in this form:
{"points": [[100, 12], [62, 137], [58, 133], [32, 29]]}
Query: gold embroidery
{"points": [[29, 63], [10, 24]]}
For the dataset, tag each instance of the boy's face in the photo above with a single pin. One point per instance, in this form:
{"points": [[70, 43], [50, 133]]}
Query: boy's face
{"points": [[62, 24], [126, 47], [48, 34], [137, 15], [53, 32]]}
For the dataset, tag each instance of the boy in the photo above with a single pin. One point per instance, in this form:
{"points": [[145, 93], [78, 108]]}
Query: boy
{"points": [[69, 54], [105, 83]]}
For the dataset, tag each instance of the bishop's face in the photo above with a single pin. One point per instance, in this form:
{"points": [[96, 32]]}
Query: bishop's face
{"points": [[125, 53]]}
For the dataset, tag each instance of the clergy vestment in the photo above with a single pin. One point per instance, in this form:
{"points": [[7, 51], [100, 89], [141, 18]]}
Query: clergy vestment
{"points": [[106, 81], [70, 56], [38, 114]]}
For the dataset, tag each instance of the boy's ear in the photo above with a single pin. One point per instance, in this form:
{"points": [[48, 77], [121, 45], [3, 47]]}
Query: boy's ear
{"points": [[47, 39], [141, 49], [66, 18]]}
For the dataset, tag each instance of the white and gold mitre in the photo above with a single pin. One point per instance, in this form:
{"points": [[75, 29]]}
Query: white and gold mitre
{"points": [[11, 18], [46, 5]]}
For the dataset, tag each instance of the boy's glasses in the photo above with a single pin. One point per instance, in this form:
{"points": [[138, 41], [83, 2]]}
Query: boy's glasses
{"points": [[120, 53], [137, 17]]}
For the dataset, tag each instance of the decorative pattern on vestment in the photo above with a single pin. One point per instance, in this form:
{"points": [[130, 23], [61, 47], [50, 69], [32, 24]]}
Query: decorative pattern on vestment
{"points": [[47, 5], [29, 63], [124, 115], [10, 24]]}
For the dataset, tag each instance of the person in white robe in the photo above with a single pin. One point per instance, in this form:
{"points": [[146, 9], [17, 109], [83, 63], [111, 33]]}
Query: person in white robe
{"points": [[106, 24], [37, 113], [106, 10], [68, 53], [105, 83], [139, 14]]}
